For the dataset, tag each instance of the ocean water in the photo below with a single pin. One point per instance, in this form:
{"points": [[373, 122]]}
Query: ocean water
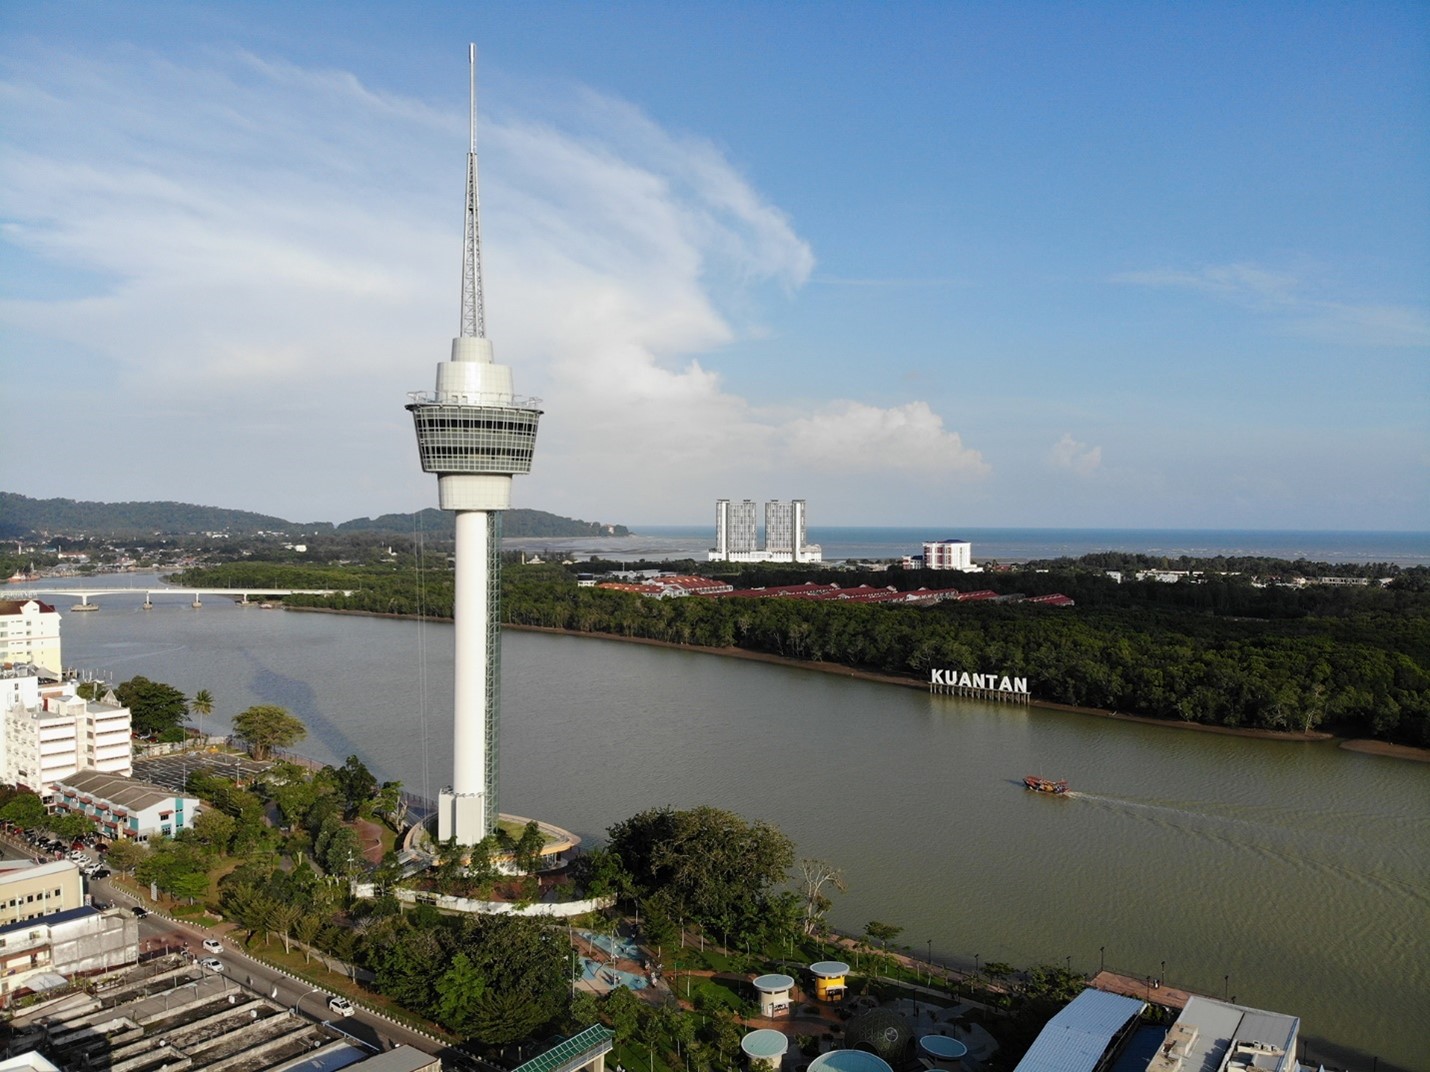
{"points": [[1019, 545]]}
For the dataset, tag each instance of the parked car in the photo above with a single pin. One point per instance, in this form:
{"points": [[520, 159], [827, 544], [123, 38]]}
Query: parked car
{"points": [[139, 911], [100, 872], [213, 945], [212, 964], [342, 1006]]}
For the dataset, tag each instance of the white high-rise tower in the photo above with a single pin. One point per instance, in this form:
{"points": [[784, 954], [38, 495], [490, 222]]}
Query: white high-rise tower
{"points": [[475, 434]]}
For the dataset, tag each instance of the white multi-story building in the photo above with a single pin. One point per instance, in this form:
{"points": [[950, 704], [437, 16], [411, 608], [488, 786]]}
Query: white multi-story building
{"points": [[123, 807], [48, 733], [737, 539], [950, 555], [735, 535], [30, 633]]}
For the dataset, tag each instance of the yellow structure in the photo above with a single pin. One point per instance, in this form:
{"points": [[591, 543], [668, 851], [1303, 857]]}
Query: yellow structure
{"points": [[29, 890], [829, 979]]}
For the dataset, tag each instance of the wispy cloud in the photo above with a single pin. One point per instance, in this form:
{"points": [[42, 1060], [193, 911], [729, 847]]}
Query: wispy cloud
{"points": [[1290, 298], [263, 235], [1073, 456], [893, 283]]}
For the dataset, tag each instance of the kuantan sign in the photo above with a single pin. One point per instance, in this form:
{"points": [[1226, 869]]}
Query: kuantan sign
{"points": [[1001, 686]]}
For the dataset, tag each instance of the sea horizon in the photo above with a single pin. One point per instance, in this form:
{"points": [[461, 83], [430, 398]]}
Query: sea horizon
{"points": [[1021, 544]]}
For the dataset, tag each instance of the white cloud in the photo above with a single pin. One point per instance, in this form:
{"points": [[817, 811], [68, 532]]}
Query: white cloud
{"points": [[1075, 457], [247, 234], [1288, 297], [856, 438]]}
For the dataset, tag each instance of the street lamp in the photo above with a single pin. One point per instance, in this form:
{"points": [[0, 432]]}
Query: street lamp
{"points": [[1101, 958], [315, 990], [930, 961], [1069, 960]]}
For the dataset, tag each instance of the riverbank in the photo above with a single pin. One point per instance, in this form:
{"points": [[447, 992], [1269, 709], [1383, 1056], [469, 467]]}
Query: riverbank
{"points": [[1363, 745], [1372, 747]]}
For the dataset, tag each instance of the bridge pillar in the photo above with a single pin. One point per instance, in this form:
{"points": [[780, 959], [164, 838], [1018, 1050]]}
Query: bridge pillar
{"points": [[196, 603]]}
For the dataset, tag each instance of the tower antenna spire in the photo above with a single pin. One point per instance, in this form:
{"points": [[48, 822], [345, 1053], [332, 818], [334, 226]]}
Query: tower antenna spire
{"points": [[474, 316]]}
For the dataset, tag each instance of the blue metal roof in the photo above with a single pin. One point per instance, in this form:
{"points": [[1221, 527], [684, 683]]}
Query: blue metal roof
{"points": [[1076, 1038], [50, 920]]}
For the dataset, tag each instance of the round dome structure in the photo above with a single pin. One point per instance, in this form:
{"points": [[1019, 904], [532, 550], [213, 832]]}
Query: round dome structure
{"points": [[765, 1048], [848, 1061], [882, 1032], [942, 1048], [774, 991]]}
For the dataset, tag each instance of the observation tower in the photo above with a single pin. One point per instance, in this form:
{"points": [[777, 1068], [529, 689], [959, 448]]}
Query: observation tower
{"points": [[475, 434]]}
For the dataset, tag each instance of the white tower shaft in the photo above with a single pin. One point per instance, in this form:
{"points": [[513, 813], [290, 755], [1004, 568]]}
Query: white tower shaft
{"points": [[475, 434]]}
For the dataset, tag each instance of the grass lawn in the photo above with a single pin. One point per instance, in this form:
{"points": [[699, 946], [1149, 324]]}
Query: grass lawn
{"points": [[718, 993]]}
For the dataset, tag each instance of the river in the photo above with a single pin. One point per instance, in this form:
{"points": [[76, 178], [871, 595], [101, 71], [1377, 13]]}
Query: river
{"points": [[1289, 875]]}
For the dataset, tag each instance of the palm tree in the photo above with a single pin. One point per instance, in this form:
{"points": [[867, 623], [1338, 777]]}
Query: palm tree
{"points": [[202, 704]]}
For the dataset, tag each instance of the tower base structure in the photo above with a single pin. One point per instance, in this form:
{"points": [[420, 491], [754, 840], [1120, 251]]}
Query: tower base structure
{"points": [[461, 816]]}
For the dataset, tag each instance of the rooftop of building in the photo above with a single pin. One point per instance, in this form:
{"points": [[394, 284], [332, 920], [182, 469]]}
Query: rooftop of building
{"points": [[17, 606], [28, 869], [1218, 1034], [169, 1010], [54, 919], [1077, 1038], [117, 789]]}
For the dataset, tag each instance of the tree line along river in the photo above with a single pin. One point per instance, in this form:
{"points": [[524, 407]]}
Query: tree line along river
{"points": [[1289, 875]]}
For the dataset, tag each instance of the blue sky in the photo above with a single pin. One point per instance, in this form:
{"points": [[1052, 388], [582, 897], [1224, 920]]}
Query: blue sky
{"points": [[1039, 264]]}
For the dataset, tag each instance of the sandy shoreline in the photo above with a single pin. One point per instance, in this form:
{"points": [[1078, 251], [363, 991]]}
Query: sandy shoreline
{"points": [[1369, 747]]}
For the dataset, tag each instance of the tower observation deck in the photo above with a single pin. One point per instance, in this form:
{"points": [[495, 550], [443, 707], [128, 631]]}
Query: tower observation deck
{"points": [[475, 434]]}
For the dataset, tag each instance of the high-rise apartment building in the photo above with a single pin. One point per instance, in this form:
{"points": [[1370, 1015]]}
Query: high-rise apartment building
{"points": [[735, 532], [737, 539]]}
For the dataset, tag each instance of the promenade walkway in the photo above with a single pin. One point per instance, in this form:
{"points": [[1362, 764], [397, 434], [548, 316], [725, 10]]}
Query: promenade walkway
{"points": [[1169, 997]]}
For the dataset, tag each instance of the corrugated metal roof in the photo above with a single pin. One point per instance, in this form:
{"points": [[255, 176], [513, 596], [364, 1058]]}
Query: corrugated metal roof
{"points": [[50, 920], [1076, 1038], [117, 789]]}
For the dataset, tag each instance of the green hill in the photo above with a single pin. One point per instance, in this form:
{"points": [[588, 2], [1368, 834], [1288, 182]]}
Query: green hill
{"points": [[21, 516]]}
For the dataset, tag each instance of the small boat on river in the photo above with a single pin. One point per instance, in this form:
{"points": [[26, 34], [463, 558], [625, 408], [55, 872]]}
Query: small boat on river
{"points": [[1039, 784]]}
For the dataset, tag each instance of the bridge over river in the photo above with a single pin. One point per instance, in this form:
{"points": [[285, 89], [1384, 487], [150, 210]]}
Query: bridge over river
{"points": [[87, 596]]}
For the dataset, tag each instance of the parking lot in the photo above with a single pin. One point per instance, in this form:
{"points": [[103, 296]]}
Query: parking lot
{"points": [[172, 771]]}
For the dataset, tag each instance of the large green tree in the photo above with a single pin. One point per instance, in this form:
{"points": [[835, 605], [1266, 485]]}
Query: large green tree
{"points": [[156, 708], [24, 809], [357, 784], [716, 867], [266, 727]]}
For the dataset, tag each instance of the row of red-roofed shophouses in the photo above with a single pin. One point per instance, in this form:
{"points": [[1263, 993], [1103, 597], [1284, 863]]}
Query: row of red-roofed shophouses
{"points": [[677, 586]]}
